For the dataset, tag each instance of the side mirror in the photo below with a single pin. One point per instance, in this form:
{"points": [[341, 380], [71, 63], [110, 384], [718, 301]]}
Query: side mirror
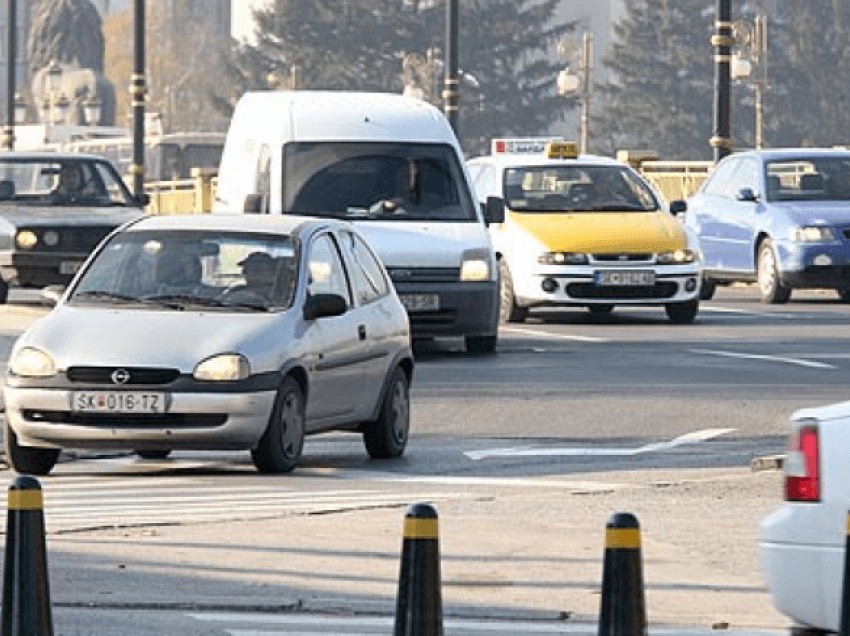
{"points": [[254, 203], [143, 199], [678, 207], [324, 306], [747, 194], [494, 210]]}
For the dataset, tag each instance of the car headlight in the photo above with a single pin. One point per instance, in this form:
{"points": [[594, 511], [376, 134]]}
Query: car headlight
{"points": [[812, 234], [226, 367], [677, 256], [30, 362], [475, 265], [26, 239], [562, 258]]}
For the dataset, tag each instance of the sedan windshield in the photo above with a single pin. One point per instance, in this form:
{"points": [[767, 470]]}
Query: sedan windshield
{"points": [[65, 181], [809, 179], [576, 188], [192, 269]]}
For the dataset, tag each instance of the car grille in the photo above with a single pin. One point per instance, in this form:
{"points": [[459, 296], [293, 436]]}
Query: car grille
{"points": [[623, 258], [137, 375], [424, 274], [591, 291], [127, 420]]}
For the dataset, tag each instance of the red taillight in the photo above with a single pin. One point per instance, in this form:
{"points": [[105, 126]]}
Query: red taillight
{"points": [[802, 469]]}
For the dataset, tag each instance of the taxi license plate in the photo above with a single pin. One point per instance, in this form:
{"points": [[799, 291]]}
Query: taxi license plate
{"points": [[70, 267], [420, 302], [118, 402], [625, 277]]}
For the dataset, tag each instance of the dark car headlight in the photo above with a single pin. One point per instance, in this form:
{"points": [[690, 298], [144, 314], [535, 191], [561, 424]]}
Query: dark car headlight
{"points": [[26, 239], [562, 258], [677, 256]]}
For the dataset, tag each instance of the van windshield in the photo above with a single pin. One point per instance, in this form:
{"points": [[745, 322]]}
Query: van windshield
{"points": [[376, 180]]}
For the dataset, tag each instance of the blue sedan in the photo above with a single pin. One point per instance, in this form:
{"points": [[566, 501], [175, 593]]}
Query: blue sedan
{"points": [[780, 218]]}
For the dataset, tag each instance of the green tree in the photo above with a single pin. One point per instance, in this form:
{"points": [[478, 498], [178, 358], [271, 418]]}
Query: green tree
{"points": [[505, 54]]}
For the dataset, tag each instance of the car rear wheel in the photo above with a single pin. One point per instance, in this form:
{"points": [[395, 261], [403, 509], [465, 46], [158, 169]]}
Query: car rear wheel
{"points": [[707, 289], [153, 454], [386, 437], [508, 309], [682, 313], [771, 288], [28, 460], [279, 449]]}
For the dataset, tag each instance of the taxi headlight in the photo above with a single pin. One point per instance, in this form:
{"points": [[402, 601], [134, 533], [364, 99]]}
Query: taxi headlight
{"points": [[26, 239], [812, 234], [677, 256], [226, 367], [30, 362], [475, 265], [562, 258]]}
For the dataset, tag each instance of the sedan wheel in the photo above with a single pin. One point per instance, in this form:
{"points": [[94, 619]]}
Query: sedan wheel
{"points": [[508, 310], [771, 288], [28, 460], [279, 449], [4, 291], [386, 437]]}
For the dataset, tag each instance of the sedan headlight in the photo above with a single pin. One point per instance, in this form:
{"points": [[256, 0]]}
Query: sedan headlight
{"points": [[475, 265], [226, 367], [677, 256], [812, 234], [26, 239], [30, 362], [562, 258]]}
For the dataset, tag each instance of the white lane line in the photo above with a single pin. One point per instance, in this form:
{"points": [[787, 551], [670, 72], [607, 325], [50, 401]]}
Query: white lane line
{"points": [[755, 356], [753, 314], [555, 336], [526, 451], [488, 482]]}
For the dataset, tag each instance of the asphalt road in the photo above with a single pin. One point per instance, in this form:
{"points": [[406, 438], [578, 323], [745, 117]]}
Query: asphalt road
{"points": [[524, 452]]}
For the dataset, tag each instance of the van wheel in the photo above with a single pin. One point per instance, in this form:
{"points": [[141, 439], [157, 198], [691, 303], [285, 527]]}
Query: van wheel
{"points": [[28, 460], [682, 313], [480, 344], [508, 309], [4, 291], [771, 288], [707, 289], [279, 449], [386, 437], [153, 454], [844, 294]]}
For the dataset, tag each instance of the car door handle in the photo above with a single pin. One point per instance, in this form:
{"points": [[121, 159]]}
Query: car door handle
{"points": [[361, 332]]}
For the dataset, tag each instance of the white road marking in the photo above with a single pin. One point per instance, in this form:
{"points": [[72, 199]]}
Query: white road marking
{"points": [[755, 356], [752, 313], [527, 451], [545, 334]]}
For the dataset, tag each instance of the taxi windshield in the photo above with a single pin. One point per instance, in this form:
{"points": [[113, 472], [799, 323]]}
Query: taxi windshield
{"points": [[576, 188]]}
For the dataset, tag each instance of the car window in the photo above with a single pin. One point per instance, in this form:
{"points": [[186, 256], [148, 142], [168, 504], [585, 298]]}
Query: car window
{"points": [[746, 176], [325, 273], [367, 277], [717, 181], [802, 178]]}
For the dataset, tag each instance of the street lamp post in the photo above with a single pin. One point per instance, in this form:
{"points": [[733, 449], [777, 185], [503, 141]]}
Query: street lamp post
{"points": [[750, 63], [722, 41], [137, 96], [9, 128], [451, 87], [581, 81]]}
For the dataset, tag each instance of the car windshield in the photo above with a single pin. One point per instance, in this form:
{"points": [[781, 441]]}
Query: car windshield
{"points": [[61, 181], [190, 269], [386, 181], [808, 179], [576, 188]]}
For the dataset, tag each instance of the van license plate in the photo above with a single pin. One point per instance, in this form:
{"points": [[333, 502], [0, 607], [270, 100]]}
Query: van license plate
{"points": [[625, 277], [420, 302], [118, 402]]}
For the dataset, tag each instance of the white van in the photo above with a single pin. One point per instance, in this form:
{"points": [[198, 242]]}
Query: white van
{"points": [[393, 166]]}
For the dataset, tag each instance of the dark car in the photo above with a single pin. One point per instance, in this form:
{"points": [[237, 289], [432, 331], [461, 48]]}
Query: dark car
{"points": [[780, 218], [54, 209]]}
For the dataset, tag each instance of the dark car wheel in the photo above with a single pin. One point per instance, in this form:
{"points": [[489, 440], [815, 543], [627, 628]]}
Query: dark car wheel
{"points": [[153, 454], [386, 437], [4, 291], [279, 449], [508, 309], [28, 460], [771, 288], [480, 344], [707, 289], [682, 313], [844, 294]]}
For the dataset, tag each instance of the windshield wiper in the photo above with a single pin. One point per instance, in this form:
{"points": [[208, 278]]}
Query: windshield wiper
{"points": [[102, 294], [180, 300], [618, 207]]}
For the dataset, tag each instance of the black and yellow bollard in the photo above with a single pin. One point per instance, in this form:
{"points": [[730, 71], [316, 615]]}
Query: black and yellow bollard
{"points": [[623, 610], [844, 625], [26, 607], [419, 606]]}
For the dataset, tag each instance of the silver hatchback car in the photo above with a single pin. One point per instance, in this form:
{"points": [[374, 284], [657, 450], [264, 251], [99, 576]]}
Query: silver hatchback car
{"points": [[215, 332]]}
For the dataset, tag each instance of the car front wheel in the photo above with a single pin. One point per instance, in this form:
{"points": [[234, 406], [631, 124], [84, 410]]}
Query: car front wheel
{"points": [[386, 437], [279, 449], [682, 313], [28, 460], [508, 309], [771, 288], [707, 288]]}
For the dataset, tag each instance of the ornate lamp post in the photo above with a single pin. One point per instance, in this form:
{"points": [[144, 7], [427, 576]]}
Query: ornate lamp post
{"points": [[750, 63], [581, 80], [137, 96], [9, 128], [722, 41]]}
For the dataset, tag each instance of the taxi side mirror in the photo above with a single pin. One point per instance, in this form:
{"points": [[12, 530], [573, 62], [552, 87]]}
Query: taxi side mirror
{"points": [[678, 207], [494, 210]]}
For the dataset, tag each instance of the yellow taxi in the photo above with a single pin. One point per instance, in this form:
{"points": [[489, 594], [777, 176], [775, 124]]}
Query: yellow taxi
{"points": [[585, 231]]}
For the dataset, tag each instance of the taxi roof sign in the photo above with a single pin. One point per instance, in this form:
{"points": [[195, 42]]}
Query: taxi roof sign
{"points": [[521, 146], [561, 150]]}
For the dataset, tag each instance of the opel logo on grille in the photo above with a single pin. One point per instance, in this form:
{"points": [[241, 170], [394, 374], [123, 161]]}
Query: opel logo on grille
{"points": [[120, 376]]}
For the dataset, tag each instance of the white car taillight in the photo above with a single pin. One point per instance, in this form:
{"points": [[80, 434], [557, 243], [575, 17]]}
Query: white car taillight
{"points": [[802, 466]]}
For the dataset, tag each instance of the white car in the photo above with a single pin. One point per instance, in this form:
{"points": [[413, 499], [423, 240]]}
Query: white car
{"points": [[802, 544], [215, 332]]}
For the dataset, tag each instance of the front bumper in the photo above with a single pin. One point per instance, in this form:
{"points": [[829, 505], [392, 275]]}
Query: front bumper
{"points": [[193, 421], [798, 268], [465, 308], [39, 269]]}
